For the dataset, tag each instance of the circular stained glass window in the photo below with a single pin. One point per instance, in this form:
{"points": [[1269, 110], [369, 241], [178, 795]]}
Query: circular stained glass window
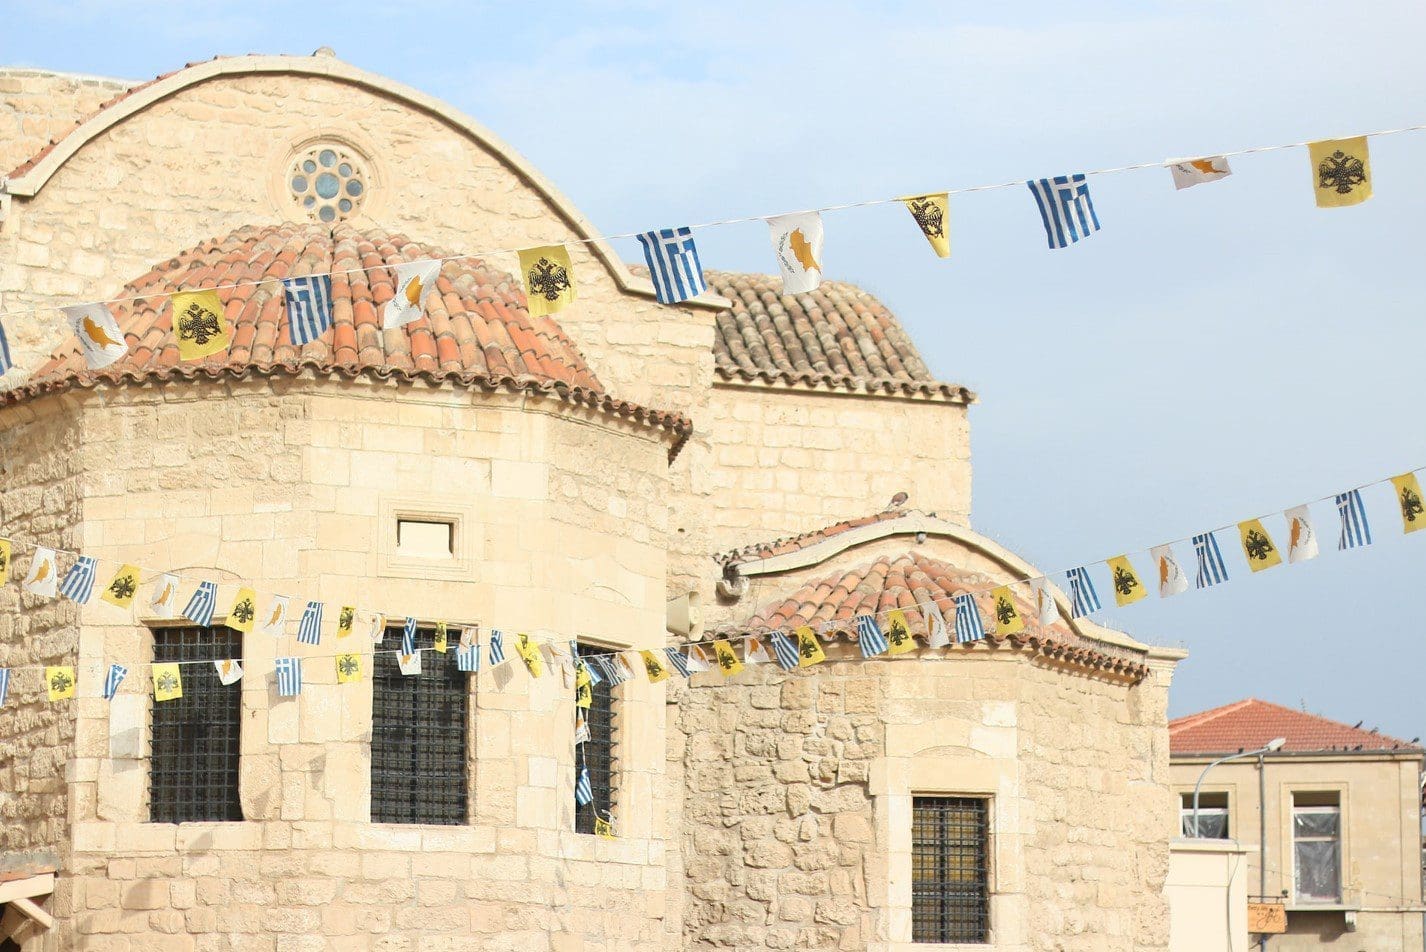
{"points": [[327, 181]]}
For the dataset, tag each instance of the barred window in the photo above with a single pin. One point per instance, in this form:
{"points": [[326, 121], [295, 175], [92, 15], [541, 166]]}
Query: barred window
{"points": [[419, 737], [950, 883], [193, 740], [598, 753]]}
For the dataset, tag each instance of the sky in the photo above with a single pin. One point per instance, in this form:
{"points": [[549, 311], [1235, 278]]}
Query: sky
{"points": [[1211, 355]]}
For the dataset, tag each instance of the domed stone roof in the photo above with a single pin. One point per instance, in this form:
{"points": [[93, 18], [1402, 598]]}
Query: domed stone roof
{"points": [[476, 323]]}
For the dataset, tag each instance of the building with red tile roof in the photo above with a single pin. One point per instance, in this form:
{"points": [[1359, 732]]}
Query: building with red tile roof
{"points": [[1251, 723]]}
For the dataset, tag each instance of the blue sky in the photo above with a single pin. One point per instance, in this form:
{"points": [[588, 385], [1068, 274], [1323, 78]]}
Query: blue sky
{"points": [[1214, 354]]}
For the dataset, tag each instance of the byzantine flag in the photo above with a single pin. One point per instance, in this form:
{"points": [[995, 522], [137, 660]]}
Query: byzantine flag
{"points": [[1258, 546], [797, 241], [98, 333], [933, 217], [59, 682], [728, 663], [1341, 172], [230, 671], [809, 648], [583, 685], [348, 668], [44, 573], [346, 618], [244, 610], [167, 682], [1007, 616], [1190, 172], [603, 828], [1301, 537], [163, 600], [5, 553], [528, 650], [122, 587], [1172, 581], [1408, 498], [549, 279], [414, 281], [198, 324], [655, 668], [440, 640], [898, 633], [1128, 587]]}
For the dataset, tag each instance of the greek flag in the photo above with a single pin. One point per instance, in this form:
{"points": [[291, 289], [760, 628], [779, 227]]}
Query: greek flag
{"points": [[289, 677], [4, 684], [408, 637], [5, 365], [595, 677], [309, 629], [968, 624], [870, 636], [497, 646], [309, 307], [673, 264], [615, 672], [1211, 569], [677, 661], [468, 658], [786, 651], [1355, 531], [113, 679], [1065, 208], [201, 605], [78, 584], [583, 789], [1086, 599]]}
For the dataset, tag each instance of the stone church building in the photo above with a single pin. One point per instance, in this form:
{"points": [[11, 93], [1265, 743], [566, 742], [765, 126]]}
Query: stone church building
{"points": [[623, 473]]}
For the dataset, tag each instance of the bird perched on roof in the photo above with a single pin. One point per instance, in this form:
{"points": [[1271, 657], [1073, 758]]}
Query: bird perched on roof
{"points": [[898, 501]]}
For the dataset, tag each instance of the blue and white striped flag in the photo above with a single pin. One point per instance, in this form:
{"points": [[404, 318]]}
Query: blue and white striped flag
{"points": [[113, 679], [673, 264], [614, 669], [1355, 531], [1211, 569], [78, 584], [1065, 208], [497, 646], [408, 637], [309, 629], [201, 605], [595, 675], [969, 627], [583, 789], [870, 638], [5, 363], [1086, 599], [786, 651], [309, 307], [4, 684], [289, 677], [468, 658], [677, 661]]}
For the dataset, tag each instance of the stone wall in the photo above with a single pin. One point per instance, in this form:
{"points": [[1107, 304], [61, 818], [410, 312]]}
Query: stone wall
{"points": [[40, 501], [294, 486], [788, 462], [798, 792], [37, 106]]}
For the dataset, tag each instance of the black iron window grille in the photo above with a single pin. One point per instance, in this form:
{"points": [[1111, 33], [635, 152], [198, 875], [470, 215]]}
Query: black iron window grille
{"points": [[419, 736], [598, 753], [193, 740], [950, 883]]}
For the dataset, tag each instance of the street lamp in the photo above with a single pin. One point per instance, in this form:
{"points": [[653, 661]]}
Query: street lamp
{"points": [[1272, 746]]}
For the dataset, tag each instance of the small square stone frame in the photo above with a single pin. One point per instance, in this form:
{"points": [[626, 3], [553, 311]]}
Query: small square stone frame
{"points": [[467, 545]]}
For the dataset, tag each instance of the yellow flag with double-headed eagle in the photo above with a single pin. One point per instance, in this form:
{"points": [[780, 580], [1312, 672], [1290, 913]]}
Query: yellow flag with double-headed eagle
{"points": [[549, 279], [1128, 587], [933, 216], [1341, 172], [199, 326]]}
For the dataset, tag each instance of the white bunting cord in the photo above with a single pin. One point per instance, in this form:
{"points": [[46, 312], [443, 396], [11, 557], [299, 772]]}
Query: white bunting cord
{"points": [[726, 634], [593, 239]]}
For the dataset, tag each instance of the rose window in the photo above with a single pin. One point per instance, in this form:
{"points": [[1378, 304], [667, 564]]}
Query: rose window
{"points": [[328, 181]]}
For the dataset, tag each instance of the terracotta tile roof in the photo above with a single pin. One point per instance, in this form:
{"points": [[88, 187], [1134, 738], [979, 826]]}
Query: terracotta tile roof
{"points": [[905, 581], [765, 550], [837, 336], [476, 331], [1250, 724]]}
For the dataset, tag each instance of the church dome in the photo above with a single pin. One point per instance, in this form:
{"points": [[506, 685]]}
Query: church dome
{"points": [[476, 325]]}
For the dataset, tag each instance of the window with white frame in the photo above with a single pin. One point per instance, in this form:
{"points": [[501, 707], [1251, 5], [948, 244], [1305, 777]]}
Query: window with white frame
{"points": [[1317, 847], [1212, 816]]}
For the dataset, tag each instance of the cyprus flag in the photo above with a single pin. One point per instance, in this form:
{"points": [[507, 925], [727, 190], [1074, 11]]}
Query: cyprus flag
{"points": [[43, 574], [163, 602], [1190, 172], [414, 281], [99, 336], [1301, 536], [797, 241]]}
